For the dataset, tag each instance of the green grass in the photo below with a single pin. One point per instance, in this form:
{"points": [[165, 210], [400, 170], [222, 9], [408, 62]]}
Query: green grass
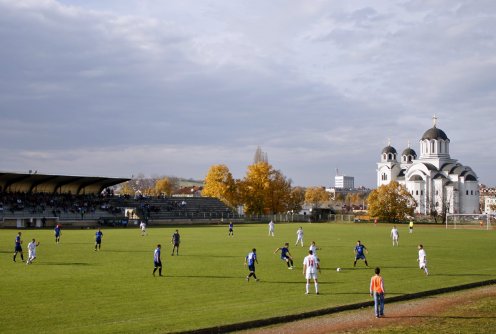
{"points": [[71, 288]]}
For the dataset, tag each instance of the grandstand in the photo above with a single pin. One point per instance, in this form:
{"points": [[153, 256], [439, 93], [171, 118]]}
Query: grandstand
{"points": [[37, 200]]}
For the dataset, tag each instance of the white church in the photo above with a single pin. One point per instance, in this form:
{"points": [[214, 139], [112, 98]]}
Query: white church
{"points": [[436, 181]]}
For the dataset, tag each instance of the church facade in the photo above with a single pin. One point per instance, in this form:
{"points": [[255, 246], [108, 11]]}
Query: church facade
{"points": [[435, 180]]}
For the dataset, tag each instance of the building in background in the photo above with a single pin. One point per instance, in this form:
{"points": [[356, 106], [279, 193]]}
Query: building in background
{"points": [[436, 181]]}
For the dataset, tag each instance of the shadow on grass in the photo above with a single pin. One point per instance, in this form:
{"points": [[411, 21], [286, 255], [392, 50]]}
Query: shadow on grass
{"points": [[65, 264]]}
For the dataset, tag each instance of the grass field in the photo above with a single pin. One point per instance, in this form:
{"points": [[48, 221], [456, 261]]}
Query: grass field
{"points": [[72, 288]]}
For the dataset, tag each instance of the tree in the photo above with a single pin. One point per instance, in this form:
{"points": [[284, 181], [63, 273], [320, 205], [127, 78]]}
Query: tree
{"points": [[316, 196], [391, 202], [219, 183], [264, 190], [296, 199], [279, 192], [126, 189], [164, 186]]}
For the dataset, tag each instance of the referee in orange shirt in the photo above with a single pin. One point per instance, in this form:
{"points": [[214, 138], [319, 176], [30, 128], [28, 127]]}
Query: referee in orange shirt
{"points": [[377, 291]]}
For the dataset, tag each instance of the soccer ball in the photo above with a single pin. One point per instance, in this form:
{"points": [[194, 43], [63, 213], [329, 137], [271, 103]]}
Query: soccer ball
{"points": [[338, 269]]}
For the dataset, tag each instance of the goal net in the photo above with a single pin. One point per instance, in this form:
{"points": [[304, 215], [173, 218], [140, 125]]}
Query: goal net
{"points": [[468, 221]]}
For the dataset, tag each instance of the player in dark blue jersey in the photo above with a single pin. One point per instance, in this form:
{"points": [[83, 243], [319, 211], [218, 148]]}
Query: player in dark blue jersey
{"points": [[57, 232], [231, 229], [250, 261], [98, 239], [18, 247], [157, 262], [286, 255], [360, 251], [176, 240]]}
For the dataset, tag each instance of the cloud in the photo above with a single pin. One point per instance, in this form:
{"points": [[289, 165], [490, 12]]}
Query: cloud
{"points": [[172, 88]]}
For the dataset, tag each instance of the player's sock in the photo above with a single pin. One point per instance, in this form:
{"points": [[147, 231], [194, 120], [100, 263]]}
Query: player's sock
{"points": [[307, 286], [160, 271], [287, 262], [254, 276], [154, 270], [316, 287], [22, 257], [366, 263], [291, 262]]}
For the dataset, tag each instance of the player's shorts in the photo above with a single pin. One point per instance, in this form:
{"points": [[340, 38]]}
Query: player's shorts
{"points": [[251, 267], [32, 255], [422, 264], [360, 257], [57, 234], [230, 230], [98, 241], [18, 248], [395, 237], [309, 275], [157, 263], [285, 258]]}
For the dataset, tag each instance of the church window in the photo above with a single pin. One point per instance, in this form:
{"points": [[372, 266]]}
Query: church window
{"points": [[467, 192], [416, 192], [421, 192], [432, 147], [437, 193], [471, 192], [437, 204]]}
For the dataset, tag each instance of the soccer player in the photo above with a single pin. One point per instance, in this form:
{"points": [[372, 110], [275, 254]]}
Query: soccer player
{"points": [[360, 251], [176, 240], [286, 255], [57, 232], [310, 267], [299, 236], [395, 235], [422, 259], [377, 291], [143, 228], [313, 247], [250, 260], [32, 251], [231, 229], [18, 247], [157, 262], [410, 227], [98, 239], [271, 228]]}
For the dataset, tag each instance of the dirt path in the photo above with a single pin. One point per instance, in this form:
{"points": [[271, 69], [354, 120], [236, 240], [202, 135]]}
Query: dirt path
{"points": [[402, 313]]}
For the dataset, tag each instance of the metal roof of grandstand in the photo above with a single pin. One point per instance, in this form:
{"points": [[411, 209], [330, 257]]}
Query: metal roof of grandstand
{"points": [[33, 182]]}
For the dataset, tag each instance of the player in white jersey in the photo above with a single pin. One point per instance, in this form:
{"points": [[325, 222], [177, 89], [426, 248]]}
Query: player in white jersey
{"points": [[271, 228], [143, 228], [395, 235], [422, 259], [299, 236], [310, 267], [313, 247], [32, 251]]}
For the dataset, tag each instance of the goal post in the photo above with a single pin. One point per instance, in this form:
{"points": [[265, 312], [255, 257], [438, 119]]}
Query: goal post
{"points": [[468, 221]]}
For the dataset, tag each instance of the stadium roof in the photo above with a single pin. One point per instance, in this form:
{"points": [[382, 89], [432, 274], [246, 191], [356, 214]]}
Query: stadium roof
{"points": [[14, 182]]}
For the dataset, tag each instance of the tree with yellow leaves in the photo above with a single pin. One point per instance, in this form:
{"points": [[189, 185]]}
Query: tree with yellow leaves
{"points": [[264, 190], [219, 183], [164, 186], [316, 196], [391, 202]]}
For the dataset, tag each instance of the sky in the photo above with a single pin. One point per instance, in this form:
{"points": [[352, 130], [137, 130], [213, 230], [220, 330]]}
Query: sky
{"points": [[120, 88]]}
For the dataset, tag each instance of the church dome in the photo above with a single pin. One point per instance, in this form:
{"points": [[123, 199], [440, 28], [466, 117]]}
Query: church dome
{"points": [[409, 151], [434, 133], [389, 149]]}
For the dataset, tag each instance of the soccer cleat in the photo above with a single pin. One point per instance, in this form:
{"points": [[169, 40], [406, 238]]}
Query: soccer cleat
{"points": [[306, 293], [317, 293], [256, 280], [247, 279]]}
